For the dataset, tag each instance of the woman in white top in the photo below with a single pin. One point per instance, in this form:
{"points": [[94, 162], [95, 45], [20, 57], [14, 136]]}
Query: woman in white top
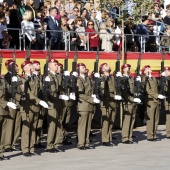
{"points": [[81, 38], [106, 38], [27, 27]]}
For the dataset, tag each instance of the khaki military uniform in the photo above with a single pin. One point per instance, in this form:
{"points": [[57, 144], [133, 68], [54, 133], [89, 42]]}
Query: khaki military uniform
{"points": [[29, 111], [167, 106], [39, 123], [54, 136], [3, 114], [129, 109], [14, 118], [85, 110], [108, 107], [152, 106]]}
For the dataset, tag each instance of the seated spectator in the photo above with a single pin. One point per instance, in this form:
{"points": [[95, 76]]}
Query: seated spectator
{"points": [[69, 7], [27, 27], [106, 38], [92, 36], [75, 13], [165, 40], [81, 34]]}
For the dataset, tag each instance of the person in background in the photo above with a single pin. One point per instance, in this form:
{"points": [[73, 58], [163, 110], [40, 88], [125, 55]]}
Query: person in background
{"points": [[92, 36], [3, 27], [84, 16], [69, 7], [30, 6]]}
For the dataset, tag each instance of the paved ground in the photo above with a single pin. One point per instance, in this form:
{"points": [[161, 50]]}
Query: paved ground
{"points": [[142, 156]]}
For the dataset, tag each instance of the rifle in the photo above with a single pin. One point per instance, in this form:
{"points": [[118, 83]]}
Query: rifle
{"points": [[66, 79], [118, 80], [14, 84], [162, 78], [0, 64], [138, 84], [73, 78], [28, 53], [97, 80], [46, 89]]}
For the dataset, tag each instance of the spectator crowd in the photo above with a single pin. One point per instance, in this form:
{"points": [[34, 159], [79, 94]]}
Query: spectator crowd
{"points": [[86, 25]]}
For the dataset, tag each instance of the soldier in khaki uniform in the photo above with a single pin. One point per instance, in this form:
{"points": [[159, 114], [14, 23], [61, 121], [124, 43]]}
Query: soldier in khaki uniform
{"points": [[29, 109], [129, 105], [108, 104], [39, 124], [65, 108], [167, 101], [3, 115], [152, 102], [14, 118], [54, 136], [85, 107]]}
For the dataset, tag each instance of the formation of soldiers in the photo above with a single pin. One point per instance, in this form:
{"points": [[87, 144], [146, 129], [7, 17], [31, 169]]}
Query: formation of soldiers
{"points": [[27, 99]]}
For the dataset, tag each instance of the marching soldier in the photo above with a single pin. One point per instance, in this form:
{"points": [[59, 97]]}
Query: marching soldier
{"points": [[54, 136], [13, 125], [36, 74], [29, 109], [3, 113], [108, 104], [167, 101], [129, 105], [152, 102], [85, 107]]}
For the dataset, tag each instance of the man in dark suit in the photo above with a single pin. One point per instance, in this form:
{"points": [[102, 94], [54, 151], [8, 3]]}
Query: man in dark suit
{"points": [[52, 24]]}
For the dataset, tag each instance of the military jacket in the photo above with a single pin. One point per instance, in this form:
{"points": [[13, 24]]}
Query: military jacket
{"points": [[107, 92], [84, 94]]}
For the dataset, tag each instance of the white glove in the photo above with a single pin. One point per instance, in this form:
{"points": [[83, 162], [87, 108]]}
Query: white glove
{"points": [[117, 97], [75, 74], [93, 95], [96, 75], [63, 97], [118, 74], [95, 100], [43, 104], [163, 74], [136, 100], [66, 73], [160, 96], [72, 96], [12, 105], [138, 78], [14, 79], [47, 79]]}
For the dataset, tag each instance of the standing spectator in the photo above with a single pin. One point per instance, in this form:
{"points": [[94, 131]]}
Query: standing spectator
{"points": [[84, 16], [118, 35], [93, 18], [75, 13], [88, 7], [142, 29], [92, 36], [166, 20], [57, 5], [61, 13], [79, 6], [3, 27], [65, 35], [21, 9], [27, 27], [52, 24], [30, 6], [106, 38], [130, 41], [165, 41], [69, 7], [98, 11], [81, 34], [74, 39]]}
